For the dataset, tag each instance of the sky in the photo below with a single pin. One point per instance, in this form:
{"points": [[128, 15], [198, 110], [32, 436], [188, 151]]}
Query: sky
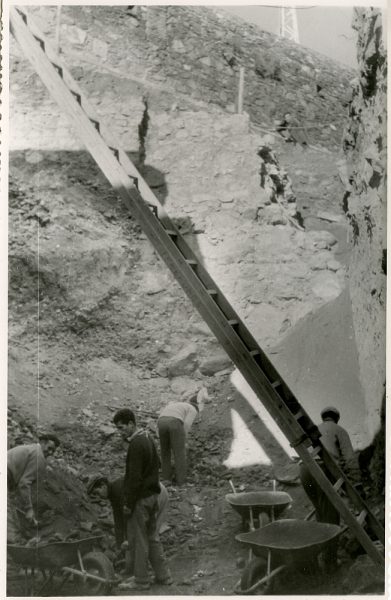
{"points": [[326, 29]]}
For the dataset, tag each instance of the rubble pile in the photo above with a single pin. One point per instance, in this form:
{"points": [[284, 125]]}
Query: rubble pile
{"points": [[281, 208]]}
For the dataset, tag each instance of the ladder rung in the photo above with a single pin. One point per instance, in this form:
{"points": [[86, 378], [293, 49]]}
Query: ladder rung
{"points": [[40, 42], [299, 414], [171, 232], [115, 151], [95, 123], [78, 99], [255, 352], [338, 484], [362, 516], [212, 292], [315, 451], [191, 262], [276, 384], [153, 207], [233, 322]]}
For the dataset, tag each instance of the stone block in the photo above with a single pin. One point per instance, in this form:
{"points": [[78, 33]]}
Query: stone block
{"points": [[178, 46], [213, 364], [327, 286], [185, 362], [99, 48], [72, 34]]}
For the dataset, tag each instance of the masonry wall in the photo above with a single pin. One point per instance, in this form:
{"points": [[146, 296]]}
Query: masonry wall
{"points": [[196, 53], [365, 204]]}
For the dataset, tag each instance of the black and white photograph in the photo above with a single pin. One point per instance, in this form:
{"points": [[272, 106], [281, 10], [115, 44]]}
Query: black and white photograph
{"points": [[194, 201]]}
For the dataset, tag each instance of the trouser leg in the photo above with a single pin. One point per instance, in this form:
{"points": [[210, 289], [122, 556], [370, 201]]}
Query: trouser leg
{"points": [[138, 542], [156, 553], [178, 443], [165, 447], [311, 489], [146, 543], [162, 509], [13, 526], [324, 509]]}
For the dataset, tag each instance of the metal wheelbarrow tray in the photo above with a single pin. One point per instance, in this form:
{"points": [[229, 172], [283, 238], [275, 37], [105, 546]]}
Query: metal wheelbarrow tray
{"points": [[284, 543], [260, 501], [66, 558], [291, 540]]}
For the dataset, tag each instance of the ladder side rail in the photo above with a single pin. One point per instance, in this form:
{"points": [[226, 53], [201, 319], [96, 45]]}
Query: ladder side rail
{"points": [[214, 317], [352, 493], [127, 190], [56, 86], [76, 99], [28, 24], [263, 362], [317, 472]]}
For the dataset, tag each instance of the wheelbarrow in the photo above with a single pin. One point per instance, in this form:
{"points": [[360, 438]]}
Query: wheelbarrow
{"points": [[264, 505], [285, 543], [77, 558]]}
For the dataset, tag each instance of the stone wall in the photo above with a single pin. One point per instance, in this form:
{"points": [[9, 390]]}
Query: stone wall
{"points": [[365, 204], [196, 53]]}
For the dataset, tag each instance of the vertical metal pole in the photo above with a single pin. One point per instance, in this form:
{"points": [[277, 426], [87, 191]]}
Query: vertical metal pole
{"points": [[240, 91], [58, 25]]}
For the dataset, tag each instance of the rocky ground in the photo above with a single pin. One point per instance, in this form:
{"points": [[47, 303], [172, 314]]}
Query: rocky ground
{"points": [[204, 556]]}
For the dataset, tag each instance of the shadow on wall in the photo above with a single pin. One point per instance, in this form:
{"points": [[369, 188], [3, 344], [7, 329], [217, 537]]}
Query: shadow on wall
{"points": [[157, 182]]}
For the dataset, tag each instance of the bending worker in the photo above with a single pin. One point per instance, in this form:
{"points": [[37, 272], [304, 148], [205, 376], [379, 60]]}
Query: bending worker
{"points": [[26, 465], [174, 423], [100, 487]]}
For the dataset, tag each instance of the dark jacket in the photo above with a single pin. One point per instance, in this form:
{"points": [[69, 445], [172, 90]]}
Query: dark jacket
{"points": [[142, 469]]}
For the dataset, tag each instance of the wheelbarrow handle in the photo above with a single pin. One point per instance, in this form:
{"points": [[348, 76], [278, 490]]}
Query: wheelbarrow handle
{"points": [[265, 579], [87, 575], [232, 486]]}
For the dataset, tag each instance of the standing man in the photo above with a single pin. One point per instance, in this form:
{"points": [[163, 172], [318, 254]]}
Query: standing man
{"points": [[174, 423], [337, 442], [26, 465], [140, 503]]}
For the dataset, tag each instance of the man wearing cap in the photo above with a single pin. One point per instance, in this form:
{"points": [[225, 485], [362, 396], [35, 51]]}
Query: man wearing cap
{"points": [[337, 442], [99, 486], [174, 423], [26, 465]]}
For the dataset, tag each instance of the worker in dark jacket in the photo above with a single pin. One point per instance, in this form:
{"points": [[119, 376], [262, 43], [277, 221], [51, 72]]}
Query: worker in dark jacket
{"points": [[337, 442], [140, 503]]}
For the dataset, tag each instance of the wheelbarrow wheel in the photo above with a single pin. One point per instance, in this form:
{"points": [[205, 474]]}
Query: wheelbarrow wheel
{"points": [[98, 564], [252, 573]]}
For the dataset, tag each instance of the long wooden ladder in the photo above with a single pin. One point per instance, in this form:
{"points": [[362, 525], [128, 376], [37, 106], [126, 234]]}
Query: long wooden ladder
{"points": [[203, 292]]}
